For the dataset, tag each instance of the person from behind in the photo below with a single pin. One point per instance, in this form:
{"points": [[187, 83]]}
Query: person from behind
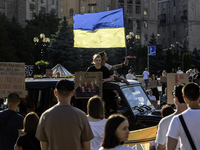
{"points": [[95, 110], [190, 117], [164, 84], [163, 125], [10, 122], [107, 76], [130, 76], [179, 70], [146, 78], [166, 110], [64, 126], [155, 89], [116, 133], [28, 141]]}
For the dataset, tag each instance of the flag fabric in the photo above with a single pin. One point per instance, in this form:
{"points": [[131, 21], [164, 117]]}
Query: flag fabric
{"points": [[99, 30]]}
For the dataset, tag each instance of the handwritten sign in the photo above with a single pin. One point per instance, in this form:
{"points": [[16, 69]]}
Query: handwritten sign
{"points": [[12, 79], [174, 79], [29, 70], [153, 84], [88, 84], [49, 72]]}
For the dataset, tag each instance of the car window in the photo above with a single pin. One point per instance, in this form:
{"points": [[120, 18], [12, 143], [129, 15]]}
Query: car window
{"points": [[136, 96]]}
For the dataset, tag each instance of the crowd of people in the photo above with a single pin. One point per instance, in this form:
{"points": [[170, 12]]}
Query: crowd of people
{"points": [[66, 127]]}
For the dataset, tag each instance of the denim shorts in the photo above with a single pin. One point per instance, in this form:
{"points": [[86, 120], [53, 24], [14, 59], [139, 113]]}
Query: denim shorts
{"points": [[146, 81]]}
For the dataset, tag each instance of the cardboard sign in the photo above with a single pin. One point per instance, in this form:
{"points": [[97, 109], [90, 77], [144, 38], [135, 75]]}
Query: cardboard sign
{"points": [[12, 79], [49, 72], [153, 84], [88, 84], [172, 80], [163, 79], [29, 70]]}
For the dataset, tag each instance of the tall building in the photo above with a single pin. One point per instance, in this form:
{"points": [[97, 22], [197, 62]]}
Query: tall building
{"points": [[24, 10], [179, 23], [71, 7], [140, 15]]}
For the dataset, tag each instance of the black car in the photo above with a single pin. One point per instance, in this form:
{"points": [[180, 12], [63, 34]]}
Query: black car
{"points": [[129, 100]]}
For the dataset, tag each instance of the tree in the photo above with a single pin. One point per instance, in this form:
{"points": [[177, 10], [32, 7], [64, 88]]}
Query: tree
{"points": [[141, 59], [61, 48], [195, 58], [186, 61]]}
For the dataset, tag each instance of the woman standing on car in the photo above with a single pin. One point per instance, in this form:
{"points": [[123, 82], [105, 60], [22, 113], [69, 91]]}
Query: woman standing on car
{"points": [[116, 133], [155, 90], [95, 110], [107, 76]]}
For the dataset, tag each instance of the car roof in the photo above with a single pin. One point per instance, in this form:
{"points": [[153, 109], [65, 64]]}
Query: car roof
{"points": [[51, 82]]}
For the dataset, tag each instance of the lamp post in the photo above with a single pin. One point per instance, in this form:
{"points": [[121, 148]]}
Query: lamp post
{"points": [[132, 42], [42, 41]]}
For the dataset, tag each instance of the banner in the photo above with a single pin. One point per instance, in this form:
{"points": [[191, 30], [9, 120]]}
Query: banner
{"points": [[12, 79], [99, 30]]}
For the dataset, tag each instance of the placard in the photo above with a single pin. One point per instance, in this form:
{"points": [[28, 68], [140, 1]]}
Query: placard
{"points": [[175, 79], [12, 79], [29, 70], [153, 84], [163, 79], [88, 84], [49, 72]]}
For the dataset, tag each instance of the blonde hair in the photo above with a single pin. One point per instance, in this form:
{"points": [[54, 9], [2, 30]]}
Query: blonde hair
{"points": [[95, 56]]}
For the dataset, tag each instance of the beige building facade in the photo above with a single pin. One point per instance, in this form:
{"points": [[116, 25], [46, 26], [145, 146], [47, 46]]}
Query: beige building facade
{"points": [[179, 22], [22, 10]]}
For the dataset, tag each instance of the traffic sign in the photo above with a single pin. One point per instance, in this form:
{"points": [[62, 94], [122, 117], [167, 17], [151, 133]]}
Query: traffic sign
{"points": [[151, 50]]}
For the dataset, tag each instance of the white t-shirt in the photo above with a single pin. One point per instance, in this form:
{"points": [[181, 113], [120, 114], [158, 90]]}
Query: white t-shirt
{"points": [[130, 76], [108, 66], [120, 147], [146, 73], [162, 130], [192, 121], [152, 97], [98, 131], [179, 71]]}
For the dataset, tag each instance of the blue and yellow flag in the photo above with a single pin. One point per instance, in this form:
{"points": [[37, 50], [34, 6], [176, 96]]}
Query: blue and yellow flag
{"points": [[99, 30]]}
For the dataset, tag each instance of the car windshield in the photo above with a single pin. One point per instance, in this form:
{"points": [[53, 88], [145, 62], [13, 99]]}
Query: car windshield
{"points": [[136, 96]]}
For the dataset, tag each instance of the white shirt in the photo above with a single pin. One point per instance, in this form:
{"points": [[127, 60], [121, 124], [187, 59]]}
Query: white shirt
{"points": [[119, 147], [146, 73], [152, 97], [108, 66], [98, 131], [130, 76], [162, 130], [179, 71], [192, 121]]}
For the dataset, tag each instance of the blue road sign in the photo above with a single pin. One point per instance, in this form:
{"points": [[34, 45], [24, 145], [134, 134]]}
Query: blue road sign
{"points": [[151, 50]]}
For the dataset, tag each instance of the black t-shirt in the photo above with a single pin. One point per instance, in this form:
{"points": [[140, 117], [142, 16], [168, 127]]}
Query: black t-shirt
{"points": [[29, 142], [106, 72]]}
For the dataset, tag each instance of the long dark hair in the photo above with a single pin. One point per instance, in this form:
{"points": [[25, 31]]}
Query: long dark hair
{"points": [[110, 140]]}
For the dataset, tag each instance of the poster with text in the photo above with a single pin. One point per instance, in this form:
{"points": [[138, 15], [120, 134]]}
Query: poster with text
{"points": [[88, 84], [12, 79], [172, 80]]}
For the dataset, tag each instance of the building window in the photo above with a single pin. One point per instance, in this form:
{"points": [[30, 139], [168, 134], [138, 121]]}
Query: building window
{"points": [[146, 37], [174, 34], [31, 14], [174, 2], [82, 8], [43, 10], [174, 18], [108, 7], [145, 1], [52, 2], [145, 24], [42, 1], [145, 12], [138, 10], [71, 12], [92, 9]]}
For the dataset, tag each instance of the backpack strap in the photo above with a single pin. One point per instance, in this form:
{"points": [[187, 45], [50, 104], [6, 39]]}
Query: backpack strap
{"points": [[187, 132]]}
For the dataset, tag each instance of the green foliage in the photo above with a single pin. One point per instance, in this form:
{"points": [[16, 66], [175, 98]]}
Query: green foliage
{"points": [[141, 60], [186, 65], [61, 48], [195, 58]]}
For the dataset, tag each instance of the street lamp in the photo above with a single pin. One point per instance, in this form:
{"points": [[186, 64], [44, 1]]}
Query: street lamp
{"points": [[42, 41]]}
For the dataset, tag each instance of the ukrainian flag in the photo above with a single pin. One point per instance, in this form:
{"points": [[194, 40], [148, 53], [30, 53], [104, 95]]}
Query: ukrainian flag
{"points": [[99, 30]]}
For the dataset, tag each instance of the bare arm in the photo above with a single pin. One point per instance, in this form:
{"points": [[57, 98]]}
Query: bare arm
{"points": [[17, 147], [115, 67], [86, 145], [44, 145], [171, 143], [108, 79], [160, 147]]}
